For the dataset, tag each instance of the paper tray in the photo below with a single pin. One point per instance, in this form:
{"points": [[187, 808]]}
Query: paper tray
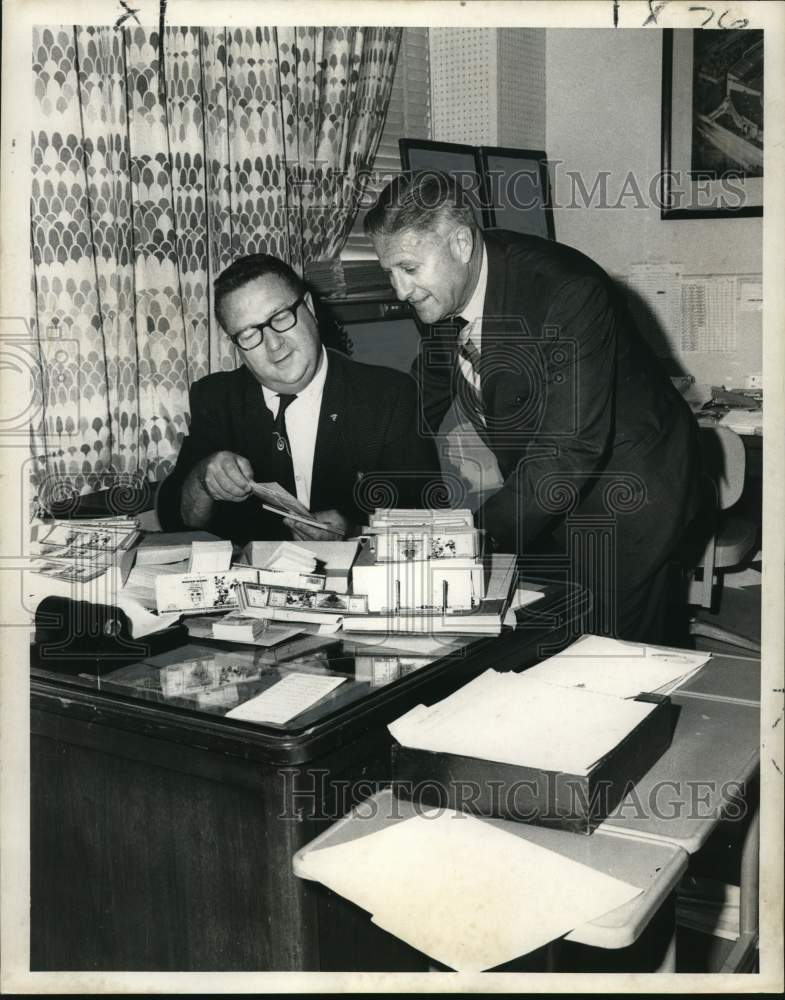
{"points": [[573, 802]]}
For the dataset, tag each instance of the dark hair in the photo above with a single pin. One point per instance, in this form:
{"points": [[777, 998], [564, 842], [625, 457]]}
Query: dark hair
{"points": [[255, 265], [418, 201]]}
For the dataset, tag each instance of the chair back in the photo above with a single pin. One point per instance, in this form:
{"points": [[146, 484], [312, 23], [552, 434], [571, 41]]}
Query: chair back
{"points": [[723, 460]]}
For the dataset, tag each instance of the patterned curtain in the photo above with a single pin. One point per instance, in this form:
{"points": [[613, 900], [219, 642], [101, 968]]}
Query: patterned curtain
{"points": [[143, 189]]}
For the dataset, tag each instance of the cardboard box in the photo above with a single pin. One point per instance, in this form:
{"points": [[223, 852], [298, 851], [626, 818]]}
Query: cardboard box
{"points": [[413, 584], [578, 803]]}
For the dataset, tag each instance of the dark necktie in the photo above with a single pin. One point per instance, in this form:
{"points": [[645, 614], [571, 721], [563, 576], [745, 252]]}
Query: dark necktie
{"points": [[282, 467]]}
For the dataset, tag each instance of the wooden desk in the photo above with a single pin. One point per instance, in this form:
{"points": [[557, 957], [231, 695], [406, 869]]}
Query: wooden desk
{"points": [[162, 837]]}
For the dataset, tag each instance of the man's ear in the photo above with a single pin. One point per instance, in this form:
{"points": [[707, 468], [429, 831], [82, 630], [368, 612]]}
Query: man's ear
{"points": [[309, 302], [462, 244]]}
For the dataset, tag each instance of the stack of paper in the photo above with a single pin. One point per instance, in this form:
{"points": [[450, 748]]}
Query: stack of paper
{"points": [[83, 550], [623, 669], [210, 557], [237, 627], [335, 557], [414, 518], [469, 894], [140, 582], [280, 501], [287, 556], [516, 719]]}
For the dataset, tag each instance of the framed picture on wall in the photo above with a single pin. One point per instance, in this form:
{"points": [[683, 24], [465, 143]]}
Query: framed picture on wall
{"points": [[712, 124]]}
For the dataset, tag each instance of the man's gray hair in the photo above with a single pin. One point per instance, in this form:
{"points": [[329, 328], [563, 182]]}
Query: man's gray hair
{"points": [[419, 201]]}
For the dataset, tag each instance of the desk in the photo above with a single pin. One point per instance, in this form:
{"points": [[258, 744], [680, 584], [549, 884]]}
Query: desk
{"points": [[162, 834]]}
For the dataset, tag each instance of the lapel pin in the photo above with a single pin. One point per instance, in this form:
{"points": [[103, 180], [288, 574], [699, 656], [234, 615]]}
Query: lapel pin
{"points": [[333, 417]]}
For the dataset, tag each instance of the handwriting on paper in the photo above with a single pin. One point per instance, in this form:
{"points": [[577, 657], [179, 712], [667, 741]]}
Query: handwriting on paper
{"points": [[699, 15]]}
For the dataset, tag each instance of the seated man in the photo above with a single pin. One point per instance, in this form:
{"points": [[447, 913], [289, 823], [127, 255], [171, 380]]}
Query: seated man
{"points": [[341, 436]]}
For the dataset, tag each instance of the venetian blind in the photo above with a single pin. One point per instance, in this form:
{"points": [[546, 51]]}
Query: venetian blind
{"points": [[408, 116]]}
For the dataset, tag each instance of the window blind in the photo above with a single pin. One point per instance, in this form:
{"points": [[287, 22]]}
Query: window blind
{"points": [[408, 116]]}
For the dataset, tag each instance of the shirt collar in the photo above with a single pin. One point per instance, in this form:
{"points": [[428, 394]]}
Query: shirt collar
{"points": [[312, 391], [475, 304]]}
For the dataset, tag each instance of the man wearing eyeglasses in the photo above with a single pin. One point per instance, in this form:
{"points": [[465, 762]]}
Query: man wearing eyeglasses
{"points": [[340, 436]]}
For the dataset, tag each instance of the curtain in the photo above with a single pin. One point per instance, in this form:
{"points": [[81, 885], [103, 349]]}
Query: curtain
{"points": [[146, 185]]}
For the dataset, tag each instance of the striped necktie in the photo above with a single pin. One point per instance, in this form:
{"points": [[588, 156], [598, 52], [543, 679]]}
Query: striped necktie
{"points": [[469, 385]]}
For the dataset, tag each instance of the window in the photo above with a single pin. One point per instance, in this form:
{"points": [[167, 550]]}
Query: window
{"points": [[409, 115]]}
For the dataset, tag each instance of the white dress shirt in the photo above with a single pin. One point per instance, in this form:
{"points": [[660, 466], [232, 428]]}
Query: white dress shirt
{"points": [[302, 424], [474, 307]]}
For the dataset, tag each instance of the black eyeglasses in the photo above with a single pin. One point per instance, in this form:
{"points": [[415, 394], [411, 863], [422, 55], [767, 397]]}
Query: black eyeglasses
{"points": [[282, 321]]}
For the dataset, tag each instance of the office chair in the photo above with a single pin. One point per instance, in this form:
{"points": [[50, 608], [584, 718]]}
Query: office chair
{"points": [[723, 458]]}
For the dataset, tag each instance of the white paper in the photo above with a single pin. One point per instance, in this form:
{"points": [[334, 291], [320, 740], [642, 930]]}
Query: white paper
{"points": [[210, 557], [292, 695], [624, 669], [513, 719], [468, 894]]}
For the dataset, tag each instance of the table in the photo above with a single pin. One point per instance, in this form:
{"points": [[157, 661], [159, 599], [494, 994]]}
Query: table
{"points": [[715, 752], [162, 832], [716, 735], [655, 869]]}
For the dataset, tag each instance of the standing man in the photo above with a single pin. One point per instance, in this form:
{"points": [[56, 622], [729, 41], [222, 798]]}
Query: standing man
{"points": [[537, 347], [341, 436]]}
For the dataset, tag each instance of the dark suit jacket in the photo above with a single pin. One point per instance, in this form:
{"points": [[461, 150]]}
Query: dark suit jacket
{"points": [[580, 415], [369, 452]]}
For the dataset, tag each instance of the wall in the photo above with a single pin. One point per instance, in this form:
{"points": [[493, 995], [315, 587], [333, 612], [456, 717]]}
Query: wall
{"points": [[603, 113], [463, 85], [488, 86]]}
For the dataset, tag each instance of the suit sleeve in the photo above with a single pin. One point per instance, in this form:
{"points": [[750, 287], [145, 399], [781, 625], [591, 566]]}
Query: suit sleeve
{"points": [[205, 436], [574, 433], [408, 460]]}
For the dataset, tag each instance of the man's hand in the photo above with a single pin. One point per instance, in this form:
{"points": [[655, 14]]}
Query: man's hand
{"points": [[225, 476], [331, 518]]}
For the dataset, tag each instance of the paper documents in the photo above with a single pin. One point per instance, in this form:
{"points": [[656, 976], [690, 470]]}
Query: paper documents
{"points": [[210, 557], [288, 698], [624, 669], [515, 719], [465, 892]]}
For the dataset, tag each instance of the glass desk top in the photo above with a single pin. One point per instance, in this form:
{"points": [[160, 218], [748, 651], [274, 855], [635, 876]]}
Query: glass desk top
{"points": [[214, 677]]}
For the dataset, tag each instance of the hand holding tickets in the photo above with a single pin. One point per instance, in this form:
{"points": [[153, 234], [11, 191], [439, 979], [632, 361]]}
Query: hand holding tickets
{"points": [[226, 476], [300, 521], [325, 524]]}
